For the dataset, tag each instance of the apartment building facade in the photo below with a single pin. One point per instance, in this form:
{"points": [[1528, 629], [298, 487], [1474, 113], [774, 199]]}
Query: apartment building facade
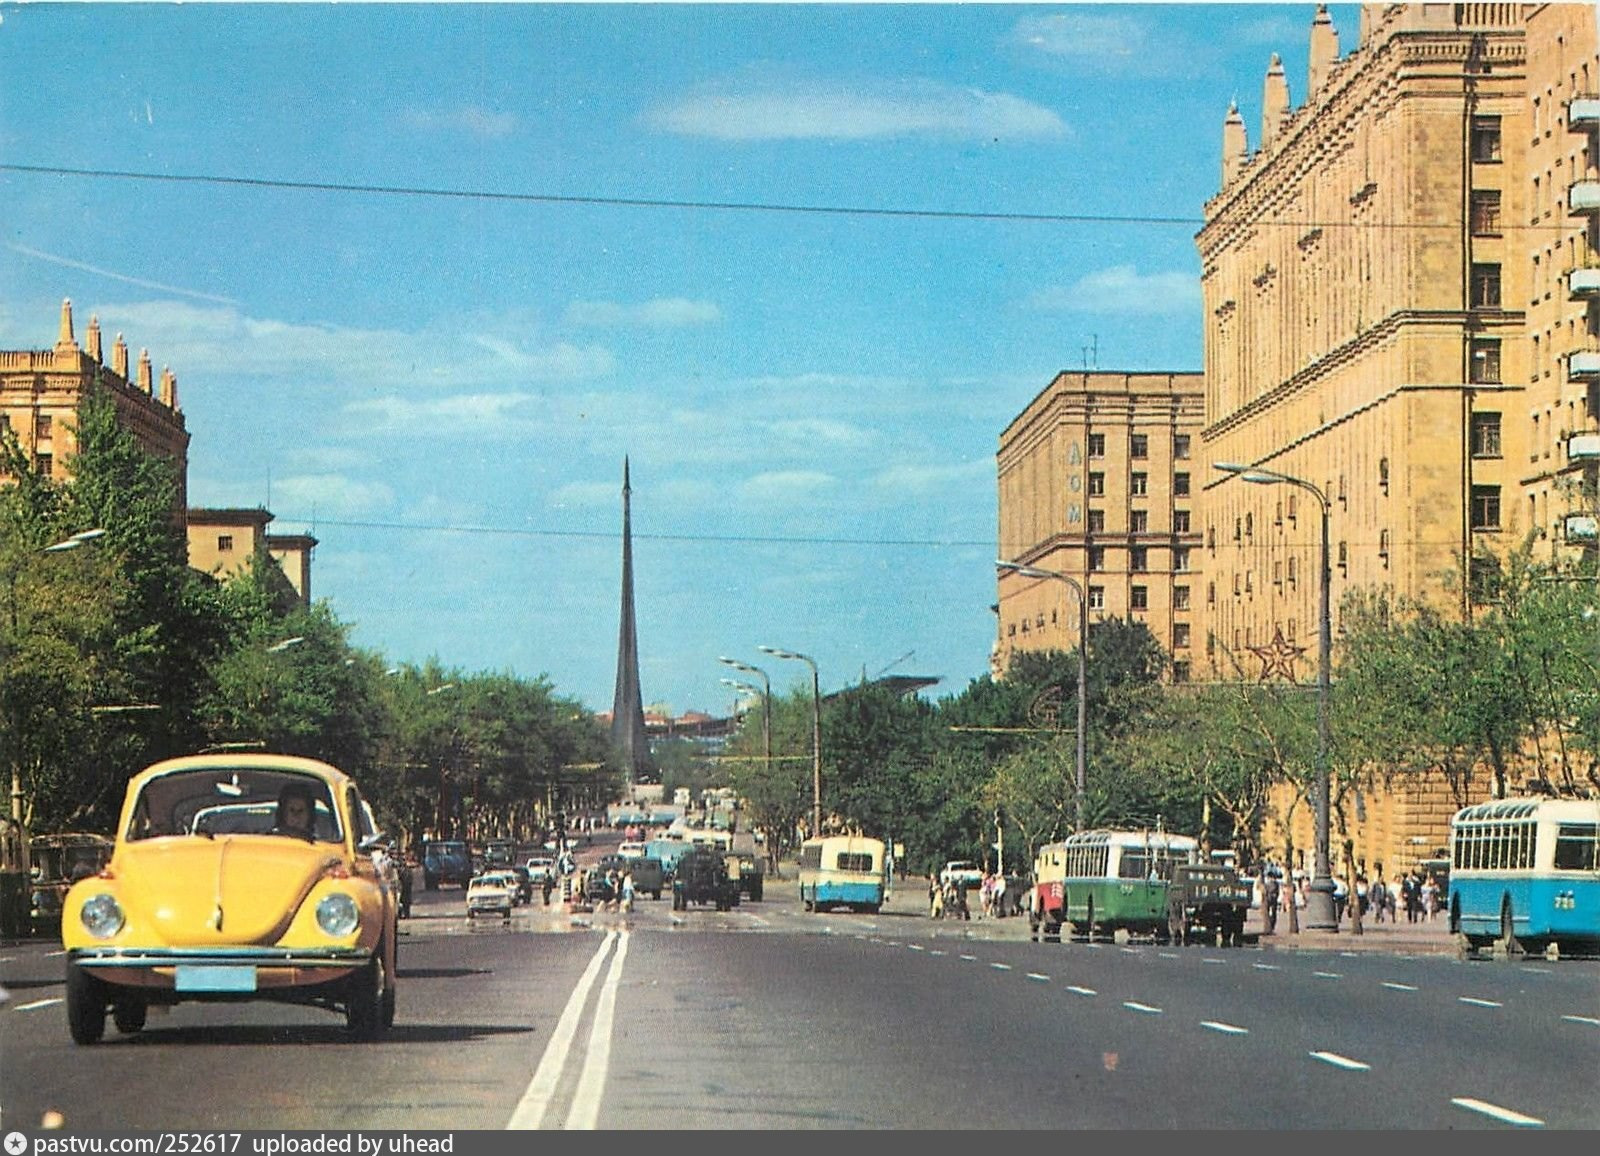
{"points": [[41, 391], [1097, 480]]}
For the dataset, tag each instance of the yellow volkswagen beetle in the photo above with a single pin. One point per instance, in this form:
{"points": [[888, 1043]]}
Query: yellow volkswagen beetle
{"points": [[234, 877]]}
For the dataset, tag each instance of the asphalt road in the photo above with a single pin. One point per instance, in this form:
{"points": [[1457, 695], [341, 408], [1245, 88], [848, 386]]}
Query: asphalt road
{"points": [[768, 1017]]}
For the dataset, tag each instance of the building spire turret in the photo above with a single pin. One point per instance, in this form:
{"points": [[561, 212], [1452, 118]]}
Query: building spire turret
{"points": [[1235, 146], [1324, 50], [1274, 100]]}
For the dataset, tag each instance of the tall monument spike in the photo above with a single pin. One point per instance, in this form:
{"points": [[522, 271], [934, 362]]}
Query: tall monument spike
{"points": [[627, 704]]}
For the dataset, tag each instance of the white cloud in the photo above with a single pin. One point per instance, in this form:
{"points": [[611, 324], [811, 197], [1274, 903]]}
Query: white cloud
{"points": [[1091, 38], [846, 111], [1122, 289], [332, 495], [480, 412], [816, 430], [469, 119], [661, 313], [921, 479], [785, 485], [586, 495], [224, 343]]}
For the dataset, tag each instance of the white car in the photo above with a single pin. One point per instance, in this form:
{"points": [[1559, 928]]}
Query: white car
{"points": [[540, 868], [631, 850], [961, 871], [490, 894]]}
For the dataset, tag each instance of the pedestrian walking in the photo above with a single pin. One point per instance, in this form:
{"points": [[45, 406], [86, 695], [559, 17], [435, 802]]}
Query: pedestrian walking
{"points": [[1269, 899]]}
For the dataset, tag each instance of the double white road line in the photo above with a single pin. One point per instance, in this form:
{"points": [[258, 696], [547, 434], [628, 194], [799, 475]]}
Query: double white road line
{"points": [[584, 1109]]}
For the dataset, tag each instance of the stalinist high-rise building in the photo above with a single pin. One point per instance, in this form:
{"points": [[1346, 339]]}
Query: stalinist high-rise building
{"points": [[1366, 285]]}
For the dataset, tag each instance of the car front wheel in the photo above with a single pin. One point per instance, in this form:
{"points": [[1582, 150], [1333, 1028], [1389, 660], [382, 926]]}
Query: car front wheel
{"points": [[86, 1006], [364, 1001]]}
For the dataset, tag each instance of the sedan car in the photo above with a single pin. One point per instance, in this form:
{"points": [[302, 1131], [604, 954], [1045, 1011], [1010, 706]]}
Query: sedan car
{"points": [[234, 877], [490, 894]]}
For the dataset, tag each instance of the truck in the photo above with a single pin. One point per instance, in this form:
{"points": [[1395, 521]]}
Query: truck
{"points": [[702, 877], [1207, 899], [748, 874]]}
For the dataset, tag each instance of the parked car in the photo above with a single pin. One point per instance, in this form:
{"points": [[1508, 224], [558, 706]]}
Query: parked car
{"points": [[490, 894], [631, 850], [59, 861], [294, 913]]}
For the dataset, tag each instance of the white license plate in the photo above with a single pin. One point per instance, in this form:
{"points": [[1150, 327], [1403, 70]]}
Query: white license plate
{"points": [[215, 977]]}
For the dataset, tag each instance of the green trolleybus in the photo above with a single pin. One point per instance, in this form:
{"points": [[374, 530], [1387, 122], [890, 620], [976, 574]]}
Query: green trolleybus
{"points": [[1102, 882]]}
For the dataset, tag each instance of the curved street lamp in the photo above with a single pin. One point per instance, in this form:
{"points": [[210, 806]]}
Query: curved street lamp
{"points": [[816, 733], [766, 705], [1321, 912], [1083, 669]]}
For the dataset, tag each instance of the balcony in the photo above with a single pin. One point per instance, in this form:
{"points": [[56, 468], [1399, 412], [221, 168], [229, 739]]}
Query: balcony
{"points": [[1583, 284], [1580, 528], [1583, 197], [1583, 113], [1584, 447], [1583, 365]]}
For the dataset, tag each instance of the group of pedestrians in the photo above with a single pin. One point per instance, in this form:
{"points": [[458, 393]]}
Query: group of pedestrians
{"points": [[950, 900], [615, 893], [1418, 895]]}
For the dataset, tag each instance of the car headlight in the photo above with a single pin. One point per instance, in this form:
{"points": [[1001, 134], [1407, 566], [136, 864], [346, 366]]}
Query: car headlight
{"points": [[337, 914], [101, 916]]}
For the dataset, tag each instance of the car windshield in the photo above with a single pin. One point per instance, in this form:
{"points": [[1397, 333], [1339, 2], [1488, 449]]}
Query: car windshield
{"points": [[249, 800]]}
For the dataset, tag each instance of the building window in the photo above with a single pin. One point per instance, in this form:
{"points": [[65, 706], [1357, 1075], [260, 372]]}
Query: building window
{"points": [[1485, 212], [1097, 445], [1139, 598], [1097, 598], [1250, 525], [1180, 447], [1211, 593], [43, 426], [1097, 557], [1294, 572], [1139, 559], [1180, 598], [1485, 359], [1485, 435], [1180, 521], [1180, 634], [1485, 139], [1097, 521], [1485, 286], [1180, 672], [1138, 521], [1097, 485], [224, 543], [1180, 485], [43, 465], [1139, 485], [1180, 558], [1383, 547], [1238, 529], [1485, 507], [1139, 446]]}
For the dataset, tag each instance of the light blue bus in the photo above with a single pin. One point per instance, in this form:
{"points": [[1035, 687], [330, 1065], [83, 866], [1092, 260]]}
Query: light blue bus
{"points": [[1525, 876], [843, 871]]}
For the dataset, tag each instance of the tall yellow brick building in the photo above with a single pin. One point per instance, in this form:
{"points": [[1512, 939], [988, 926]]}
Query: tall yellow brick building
{"points": [[1098, 477], [41, 390]]}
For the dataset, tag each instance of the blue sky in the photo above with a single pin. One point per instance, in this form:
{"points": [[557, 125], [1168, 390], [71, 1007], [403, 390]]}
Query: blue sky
{"points": [[452, 263]]}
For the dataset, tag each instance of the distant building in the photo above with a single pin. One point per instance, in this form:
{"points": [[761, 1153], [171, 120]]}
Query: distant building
{"points": [[222, 542], [41, 392], [1097, 481]]}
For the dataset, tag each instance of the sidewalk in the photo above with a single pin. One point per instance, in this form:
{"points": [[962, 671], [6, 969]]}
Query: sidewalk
{"points": [[1426, 938]]}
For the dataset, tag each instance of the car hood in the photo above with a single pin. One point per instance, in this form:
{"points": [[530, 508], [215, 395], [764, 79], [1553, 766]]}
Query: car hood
{"points": [[234, 889]]}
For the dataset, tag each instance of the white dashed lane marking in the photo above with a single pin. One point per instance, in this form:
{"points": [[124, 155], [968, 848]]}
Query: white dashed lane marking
{"points": [[1495, 1111], [1475, 1002], [1135, 1005], [1001, 966], [1266, 967], [1328, 974], [1225, 1029], [1339, 1061], [1582, 1020], [1037, 976], [38, 1003], [1392, 986], [1082, 990]]}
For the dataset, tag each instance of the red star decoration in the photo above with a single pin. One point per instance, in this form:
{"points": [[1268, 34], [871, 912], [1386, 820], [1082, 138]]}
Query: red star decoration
{"points": [[1278, 658]]}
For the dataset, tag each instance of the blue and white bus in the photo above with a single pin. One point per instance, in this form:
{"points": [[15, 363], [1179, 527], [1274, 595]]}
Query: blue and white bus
{"points": [[843, 871], [1525, 875]]}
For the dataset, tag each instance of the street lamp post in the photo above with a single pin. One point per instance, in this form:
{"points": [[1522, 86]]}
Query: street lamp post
{"points": [[816, 733], [1321, 912], [1083, 669], [766, 706]]}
